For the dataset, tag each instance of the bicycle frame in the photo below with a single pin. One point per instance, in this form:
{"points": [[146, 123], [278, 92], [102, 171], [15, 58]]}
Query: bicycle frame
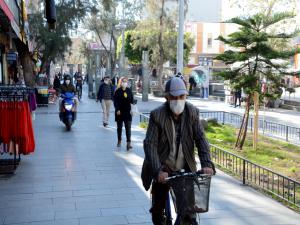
{"points": [[79, 91]]}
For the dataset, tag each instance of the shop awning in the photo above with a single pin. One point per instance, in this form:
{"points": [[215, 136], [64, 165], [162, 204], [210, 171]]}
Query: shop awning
{"points": [[8, 13], [6, 10]]}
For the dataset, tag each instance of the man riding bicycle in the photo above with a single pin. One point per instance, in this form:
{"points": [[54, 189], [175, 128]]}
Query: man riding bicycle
{"points": [[173, 130]]}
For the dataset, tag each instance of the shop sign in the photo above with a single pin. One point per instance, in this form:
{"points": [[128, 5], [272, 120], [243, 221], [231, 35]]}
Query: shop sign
{"points": [[16, 29], [12, 56]]}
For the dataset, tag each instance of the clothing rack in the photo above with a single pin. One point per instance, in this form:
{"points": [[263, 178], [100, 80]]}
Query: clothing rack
{"points": [[12, 93], [15, 90]]}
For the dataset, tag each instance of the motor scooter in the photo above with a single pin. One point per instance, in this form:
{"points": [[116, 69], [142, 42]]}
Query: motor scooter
{"points": [[68, 112]]}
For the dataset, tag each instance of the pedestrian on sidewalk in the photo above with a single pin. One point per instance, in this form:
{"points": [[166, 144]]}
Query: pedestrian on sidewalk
{"points": [[193, 85], [105, 95], [237, 97], [123, 99], [173, 129], [56, 84], [115, 81]]}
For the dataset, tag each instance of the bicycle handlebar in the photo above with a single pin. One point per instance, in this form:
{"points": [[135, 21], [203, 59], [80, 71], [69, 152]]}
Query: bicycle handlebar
{"points": [[187, 174]]}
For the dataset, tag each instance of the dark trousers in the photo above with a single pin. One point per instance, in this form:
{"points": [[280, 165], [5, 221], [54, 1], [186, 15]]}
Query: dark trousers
{"points": [[159, 196], [237, 98], [127, 129]]}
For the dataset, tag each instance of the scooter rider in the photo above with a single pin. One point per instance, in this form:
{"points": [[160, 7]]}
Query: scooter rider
{"points": [[67, 86]]}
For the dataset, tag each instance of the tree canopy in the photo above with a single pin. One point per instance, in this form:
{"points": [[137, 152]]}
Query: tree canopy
{"points": [[158, 33], [134, 46], [107, 20], [53, 44]]}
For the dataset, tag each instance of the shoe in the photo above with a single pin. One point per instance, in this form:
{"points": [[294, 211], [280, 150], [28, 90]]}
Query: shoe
{"points": [[128, 146], [119, 144], [61, 116], [105, 124]]}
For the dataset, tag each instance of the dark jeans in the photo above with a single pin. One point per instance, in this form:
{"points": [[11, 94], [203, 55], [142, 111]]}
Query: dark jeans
{"points": [[159, 196], [237, 99], [160, 193], [79, 88], [127, 128]]}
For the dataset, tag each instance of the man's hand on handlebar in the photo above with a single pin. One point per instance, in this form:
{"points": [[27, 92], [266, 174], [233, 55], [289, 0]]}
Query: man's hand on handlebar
{"points": [[207, 170], [162, 176]]}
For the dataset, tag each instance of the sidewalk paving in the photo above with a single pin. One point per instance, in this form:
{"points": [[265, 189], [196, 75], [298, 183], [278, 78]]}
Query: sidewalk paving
{"points": [[81, 178]]}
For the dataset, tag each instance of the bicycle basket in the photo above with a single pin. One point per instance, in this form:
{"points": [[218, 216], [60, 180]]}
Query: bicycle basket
{"points": [[190, 194]]}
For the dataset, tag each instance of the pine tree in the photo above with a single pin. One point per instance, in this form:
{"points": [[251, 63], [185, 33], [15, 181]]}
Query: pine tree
{"points": [[254, 57]]}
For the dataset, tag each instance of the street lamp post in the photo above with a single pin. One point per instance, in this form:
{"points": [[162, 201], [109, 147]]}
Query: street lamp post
{"points": [[123, 50], [122, 27], [180, 37]]}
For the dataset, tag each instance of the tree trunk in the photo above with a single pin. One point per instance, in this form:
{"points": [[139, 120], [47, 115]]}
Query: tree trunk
{"points": [[255, 121], [28, 69], [27, 64], [244, 126]]}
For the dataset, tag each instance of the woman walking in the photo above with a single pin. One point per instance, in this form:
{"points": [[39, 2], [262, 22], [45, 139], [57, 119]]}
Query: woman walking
{"points": [[122, 100]]}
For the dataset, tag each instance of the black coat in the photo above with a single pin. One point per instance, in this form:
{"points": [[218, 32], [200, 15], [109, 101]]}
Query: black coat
{"points": [[67, 88], [122, 101], [56, 83]]}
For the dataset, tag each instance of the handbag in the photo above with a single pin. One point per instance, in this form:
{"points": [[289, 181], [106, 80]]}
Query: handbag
{"points": [[134, 110]]}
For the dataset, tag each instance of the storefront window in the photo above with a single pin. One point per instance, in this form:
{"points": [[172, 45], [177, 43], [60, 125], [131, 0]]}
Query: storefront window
{"points": [[1, 70]]}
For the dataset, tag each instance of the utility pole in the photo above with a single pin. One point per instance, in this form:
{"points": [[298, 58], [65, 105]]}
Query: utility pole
{"points": [[180, 37], [123, 53], [123, 26], [145, 76], [90, 77]]}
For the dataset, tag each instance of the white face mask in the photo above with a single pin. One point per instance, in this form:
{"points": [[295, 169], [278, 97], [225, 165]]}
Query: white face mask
{"points": [[68, 82], [177, 106], [124, 85], [106, 81]]}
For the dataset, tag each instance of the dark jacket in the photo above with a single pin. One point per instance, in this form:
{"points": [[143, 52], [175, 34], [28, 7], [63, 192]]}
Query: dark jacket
{"points": [[158, 141], [101, 94], [115, 81], [238, 93], [56, 83], [122, 101], [67, 88]]}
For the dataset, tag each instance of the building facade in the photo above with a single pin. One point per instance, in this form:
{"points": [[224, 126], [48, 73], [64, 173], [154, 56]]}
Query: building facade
{"points": [[13, 36]]}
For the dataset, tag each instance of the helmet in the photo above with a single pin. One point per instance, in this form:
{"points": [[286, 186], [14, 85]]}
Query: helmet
{"points": [[67, 77], [179, 75]]}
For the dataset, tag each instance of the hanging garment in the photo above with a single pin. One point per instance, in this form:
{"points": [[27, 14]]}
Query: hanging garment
{"points": [[16, 126], [32, 102]]}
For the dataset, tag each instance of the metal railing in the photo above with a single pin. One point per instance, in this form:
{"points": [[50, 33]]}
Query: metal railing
{"points": [[250, 173], [144, 117], [282, 131]]}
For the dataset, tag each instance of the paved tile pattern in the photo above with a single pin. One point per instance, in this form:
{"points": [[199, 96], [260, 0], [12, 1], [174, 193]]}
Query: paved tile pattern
{"points": [[81, 178]]}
